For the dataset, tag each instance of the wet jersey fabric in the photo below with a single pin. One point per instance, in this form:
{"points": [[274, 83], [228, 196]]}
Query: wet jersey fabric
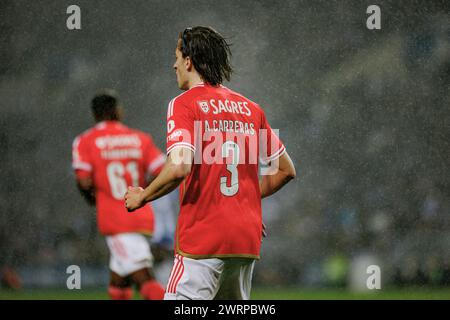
{"points": [[220, 201], [115, 157]]}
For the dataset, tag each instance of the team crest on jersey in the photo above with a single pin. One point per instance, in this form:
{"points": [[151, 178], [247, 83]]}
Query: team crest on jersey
{"points": [[204, 106]]}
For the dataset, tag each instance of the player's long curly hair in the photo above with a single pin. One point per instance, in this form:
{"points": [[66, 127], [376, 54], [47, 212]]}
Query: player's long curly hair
{"points": [[209, 52]]}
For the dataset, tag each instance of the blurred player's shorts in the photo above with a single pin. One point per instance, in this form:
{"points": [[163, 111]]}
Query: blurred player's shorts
{"points": [[129, 252]]}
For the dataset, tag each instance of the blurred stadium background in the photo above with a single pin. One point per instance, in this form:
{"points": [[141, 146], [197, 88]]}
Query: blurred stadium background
{"points": [[365, 115]]}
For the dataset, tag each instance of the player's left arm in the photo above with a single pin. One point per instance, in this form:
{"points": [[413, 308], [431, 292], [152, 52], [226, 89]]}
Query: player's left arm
{"points": [[281, 169], [285, 172], [176, 168]]}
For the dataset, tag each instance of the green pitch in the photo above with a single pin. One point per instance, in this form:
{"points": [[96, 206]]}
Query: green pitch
{"points": [[257, 294]]}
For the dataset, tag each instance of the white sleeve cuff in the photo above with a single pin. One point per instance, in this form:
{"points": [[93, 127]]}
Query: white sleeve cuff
{"points": [[274, 156], [155, 164], [80, 165], [181, 145]]}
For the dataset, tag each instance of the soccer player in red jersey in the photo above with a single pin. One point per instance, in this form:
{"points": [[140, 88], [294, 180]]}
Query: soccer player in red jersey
{"points": [[106, 159], [215, 140]]}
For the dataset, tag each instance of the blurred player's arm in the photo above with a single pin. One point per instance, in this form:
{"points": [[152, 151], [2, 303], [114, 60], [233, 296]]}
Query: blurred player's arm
{"points": [[270, 184], [82, 165], [176, 168], [86, 188]]}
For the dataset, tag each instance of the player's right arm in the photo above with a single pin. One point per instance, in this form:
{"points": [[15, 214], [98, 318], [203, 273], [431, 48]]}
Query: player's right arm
{"points": [[154, 159], [180, 154], [177, 167], [82, 166], [270, 184], [86, 188]]}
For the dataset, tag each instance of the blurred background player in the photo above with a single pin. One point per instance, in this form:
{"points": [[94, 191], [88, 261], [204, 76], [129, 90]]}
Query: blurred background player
{"points": [[106, 159], [165, 211], [219, 230]]}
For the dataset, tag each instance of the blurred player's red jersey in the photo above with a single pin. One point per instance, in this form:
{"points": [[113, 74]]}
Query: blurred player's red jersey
{"points": [[116, 157], [220, 214]]}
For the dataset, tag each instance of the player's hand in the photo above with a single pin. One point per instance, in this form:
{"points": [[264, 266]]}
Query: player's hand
{"points": [[133, 198]]}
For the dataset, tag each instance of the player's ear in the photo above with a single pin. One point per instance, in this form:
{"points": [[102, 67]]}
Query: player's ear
{"points": [[188, 63]]}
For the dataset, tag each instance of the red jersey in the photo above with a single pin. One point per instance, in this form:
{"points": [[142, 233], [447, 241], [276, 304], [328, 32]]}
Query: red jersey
{"points": [[116, 157], [220, 201]]}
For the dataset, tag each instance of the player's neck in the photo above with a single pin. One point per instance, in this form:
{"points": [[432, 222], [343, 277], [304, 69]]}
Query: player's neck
{"points": [[106, 122], [195, 80]]}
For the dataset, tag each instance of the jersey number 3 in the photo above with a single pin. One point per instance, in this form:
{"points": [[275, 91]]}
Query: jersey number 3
{"points": [[227, 147]]}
